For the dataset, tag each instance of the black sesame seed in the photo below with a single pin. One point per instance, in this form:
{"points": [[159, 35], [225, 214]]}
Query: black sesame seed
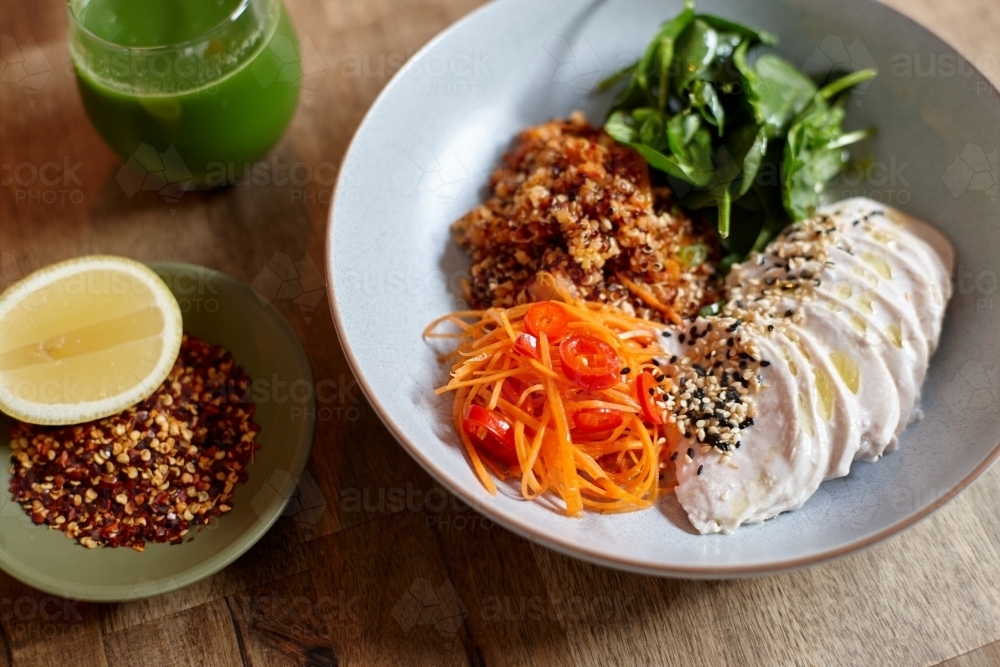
{"points": [[701, 469], [692, 331], [660, 378], [626, 370], [666, 334], [743, 365], [681, 338], [652, 391], [770, 327], [709, 327], [789, 313], [765, 363], [655, 362], [730, 342], [690, 452], [673, 359], [687, 434], [673, 457]]}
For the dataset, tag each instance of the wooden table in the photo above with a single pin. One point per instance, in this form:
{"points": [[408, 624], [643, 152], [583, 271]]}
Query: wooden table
{"points": [[347, 580]]}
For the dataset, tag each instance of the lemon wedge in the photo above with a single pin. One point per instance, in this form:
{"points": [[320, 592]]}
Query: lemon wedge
{"points": [[84, 339]]}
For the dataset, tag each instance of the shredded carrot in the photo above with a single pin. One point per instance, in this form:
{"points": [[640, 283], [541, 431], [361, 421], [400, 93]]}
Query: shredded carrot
{"points": [[650, 300], [616, 470]]}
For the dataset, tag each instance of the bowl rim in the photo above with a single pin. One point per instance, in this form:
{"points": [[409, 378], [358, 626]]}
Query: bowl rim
{"points": [[524, 528]]}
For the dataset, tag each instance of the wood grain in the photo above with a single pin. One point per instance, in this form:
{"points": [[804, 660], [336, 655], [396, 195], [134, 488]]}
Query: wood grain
{"points": [[200, 637], [370, 581]]}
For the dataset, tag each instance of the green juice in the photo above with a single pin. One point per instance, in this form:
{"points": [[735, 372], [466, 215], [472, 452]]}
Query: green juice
{"points": [[189, 80]]}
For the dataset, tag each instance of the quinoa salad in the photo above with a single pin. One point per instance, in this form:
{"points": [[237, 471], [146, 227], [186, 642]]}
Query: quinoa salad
{"points": [[570, 202]]}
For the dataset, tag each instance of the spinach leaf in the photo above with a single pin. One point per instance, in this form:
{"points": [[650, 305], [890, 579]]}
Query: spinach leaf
{"points": [[695, 52], [706, 100], [814, 152], [653, 66], [750, 34], [750, 143], [778, 92]]}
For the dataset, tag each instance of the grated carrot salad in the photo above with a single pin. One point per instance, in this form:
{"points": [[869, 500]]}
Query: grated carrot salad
{"points": [[616, 470]]}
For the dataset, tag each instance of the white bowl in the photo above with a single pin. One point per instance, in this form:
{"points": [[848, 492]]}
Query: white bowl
{"points": [[424, 152]]}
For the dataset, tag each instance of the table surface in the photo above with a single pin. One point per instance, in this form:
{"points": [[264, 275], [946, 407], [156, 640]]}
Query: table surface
{"points": [[349, 581]]}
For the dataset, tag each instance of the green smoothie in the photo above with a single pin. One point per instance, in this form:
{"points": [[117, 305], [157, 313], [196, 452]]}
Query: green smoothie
{"points": [[213, 82]]}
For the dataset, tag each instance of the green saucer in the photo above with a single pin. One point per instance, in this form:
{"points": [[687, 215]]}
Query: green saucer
{"points": [[219, 310]]}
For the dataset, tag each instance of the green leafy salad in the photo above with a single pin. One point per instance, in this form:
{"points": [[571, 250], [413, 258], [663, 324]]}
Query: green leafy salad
{"points": [[753, 144]]}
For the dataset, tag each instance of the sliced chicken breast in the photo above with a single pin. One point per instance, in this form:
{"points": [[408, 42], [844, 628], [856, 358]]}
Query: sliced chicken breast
{"points": [[841, 314]]}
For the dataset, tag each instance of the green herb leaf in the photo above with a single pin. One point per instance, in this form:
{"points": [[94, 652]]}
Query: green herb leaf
{"points": [[752, 34], [834, 88], [754, 140], [695, 52], [711, 309], [814, 152], [704, 98], [621, 127], [778, 93]]}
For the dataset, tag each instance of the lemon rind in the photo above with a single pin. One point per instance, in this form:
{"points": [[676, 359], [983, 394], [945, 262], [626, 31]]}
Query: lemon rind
{"points": [[61, 414]]}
